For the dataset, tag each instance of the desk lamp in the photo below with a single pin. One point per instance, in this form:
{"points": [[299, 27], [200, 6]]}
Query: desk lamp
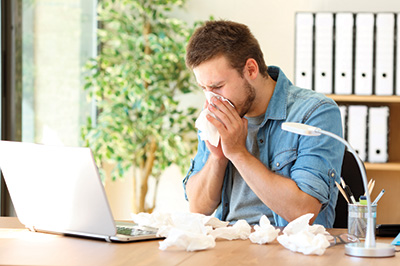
{"points": [[369, 248]]}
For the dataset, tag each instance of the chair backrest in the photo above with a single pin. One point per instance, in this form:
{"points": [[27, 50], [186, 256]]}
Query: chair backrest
{"points": [[352, 176]]}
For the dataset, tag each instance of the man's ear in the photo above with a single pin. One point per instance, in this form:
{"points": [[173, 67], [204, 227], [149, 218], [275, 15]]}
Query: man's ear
{"points": [[251, 68]]}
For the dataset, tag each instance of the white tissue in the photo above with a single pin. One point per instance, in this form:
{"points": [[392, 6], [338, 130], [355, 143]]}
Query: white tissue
{"points": [[298, 225], [155, 219], [299, 236], [240, 230], [187, 240], [190, 231], [214, 222], [190, 222], [264, 232], [207, 130]]}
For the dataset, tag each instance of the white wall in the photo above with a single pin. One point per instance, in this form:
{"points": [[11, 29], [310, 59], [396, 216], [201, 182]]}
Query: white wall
{"points": [[272, 22]]}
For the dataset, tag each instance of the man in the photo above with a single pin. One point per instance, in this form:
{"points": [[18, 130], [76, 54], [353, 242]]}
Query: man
{"points": [[257, 168]]}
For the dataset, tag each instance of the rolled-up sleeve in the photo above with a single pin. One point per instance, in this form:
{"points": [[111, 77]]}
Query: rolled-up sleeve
{"points": [[319, 159], [197, 163]]}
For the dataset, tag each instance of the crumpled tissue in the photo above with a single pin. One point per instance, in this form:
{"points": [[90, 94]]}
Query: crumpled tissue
{"points": [[240, 230], [192, 222], [264, 232], [187, 240], [191, 231], [299, 236], [207, 130]]}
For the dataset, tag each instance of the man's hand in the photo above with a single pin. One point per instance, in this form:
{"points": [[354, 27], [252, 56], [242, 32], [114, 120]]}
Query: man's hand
{"points": [[231, 127]]}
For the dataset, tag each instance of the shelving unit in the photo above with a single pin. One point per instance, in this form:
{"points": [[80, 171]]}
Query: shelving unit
{"points": [[365, 98], [387, 175]]}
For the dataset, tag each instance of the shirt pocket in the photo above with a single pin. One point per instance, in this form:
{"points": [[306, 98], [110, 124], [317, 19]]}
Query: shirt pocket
{"points": [[283, 161]]}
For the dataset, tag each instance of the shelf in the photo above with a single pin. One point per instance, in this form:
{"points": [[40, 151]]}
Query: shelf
{"points": [[364, 98], [383, 166], [394, 102]]}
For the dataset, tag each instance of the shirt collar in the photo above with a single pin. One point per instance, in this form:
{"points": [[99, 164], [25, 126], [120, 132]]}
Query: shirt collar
{"points": [[277, 105]]}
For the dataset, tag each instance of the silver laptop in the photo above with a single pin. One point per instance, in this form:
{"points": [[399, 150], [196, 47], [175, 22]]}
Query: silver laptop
{"points": [[58, 189]]}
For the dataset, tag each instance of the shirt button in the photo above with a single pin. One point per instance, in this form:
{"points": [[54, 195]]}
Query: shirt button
{"points": [[277, 164], [333, 174], [261, 141]]}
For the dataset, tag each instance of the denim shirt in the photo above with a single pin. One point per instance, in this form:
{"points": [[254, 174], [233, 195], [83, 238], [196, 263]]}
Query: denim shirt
{"points": [[312, 162]]}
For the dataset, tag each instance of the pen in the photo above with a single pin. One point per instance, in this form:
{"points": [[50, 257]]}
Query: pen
{"points": [[363, 200], [349, 194], [378, 197]]}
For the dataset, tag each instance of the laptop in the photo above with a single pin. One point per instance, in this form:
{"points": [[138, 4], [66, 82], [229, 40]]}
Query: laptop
{"points": [[58, 189]]}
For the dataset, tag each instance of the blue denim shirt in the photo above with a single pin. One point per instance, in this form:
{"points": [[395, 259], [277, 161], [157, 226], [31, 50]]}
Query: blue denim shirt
{"points": [[312, 162]]}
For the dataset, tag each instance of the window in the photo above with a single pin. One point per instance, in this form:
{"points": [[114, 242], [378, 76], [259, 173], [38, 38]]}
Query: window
{"points": [[58, 36], [46, 44]]}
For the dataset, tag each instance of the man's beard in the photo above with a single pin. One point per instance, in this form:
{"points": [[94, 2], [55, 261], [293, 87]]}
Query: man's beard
{"points": [[250, 96]]}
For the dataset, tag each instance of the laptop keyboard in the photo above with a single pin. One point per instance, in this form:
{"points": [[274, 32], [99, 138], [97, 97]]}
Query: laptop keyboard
{"points": [[135, 231]]}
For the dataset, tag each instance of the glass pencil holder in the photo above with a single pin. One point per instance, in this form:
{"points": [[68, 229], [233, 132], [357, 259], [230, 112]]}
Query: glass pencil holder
{"points": [[357, 219]]}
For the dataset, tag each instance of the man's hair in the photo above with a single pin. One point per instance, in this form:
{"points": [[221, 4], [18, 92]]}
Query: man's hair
{"points": [[227, 38]]}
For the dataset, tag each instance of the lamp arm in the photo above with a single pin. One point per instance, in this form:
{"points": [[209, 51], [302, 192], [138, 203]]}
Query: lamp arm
{"points": [[370, 234]]}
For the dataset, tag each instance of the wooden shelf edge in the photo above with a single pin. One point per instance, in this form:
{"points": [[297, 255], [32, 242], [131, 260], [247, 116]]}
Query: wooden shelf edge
{"points": [[383, 166], [364, 98]]}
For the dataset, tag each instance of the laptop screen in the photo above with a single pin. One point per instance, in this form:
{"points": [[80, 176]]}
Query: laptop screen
{"points": [[56, 188]]}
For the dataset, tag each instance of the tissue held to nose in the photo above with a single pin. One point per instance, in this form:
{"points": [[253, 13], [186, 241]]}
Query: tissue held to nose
{"points": [[207, 130]]}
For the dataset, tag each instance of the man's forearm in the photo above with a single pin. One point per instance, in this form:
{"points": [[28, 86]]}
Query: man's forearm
{"points": [[279, 193], [204, 188]]}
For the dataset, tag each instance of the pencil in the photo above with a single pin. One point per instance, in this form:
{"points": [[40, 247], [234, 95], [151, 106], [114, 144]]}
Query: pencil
{"points": [[368, 186], [372, 187], [342, 191]]}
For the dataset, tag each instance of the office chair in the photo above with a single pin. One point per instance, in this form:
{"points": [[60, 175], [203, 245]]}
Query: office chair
{"points": [[352, 176]]}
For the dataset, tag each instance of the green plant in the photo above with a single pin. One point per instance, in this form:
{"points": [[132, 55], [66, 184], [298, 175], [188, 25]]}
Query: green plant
{"points": [[136, 81]]}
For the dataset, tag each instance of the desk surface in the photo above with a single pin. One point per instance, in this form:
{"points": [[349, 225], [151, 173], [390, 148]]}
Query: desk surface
{"points": [[19, 246]]}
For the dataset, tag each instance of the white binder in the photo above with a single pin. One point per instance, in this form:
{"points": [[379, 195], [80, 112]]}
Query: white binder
{"points": [[323, 52], [344, 53], [357, 129], [378, 134], [364, 49], [384, 54], [304, 50], [343, 115]]}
